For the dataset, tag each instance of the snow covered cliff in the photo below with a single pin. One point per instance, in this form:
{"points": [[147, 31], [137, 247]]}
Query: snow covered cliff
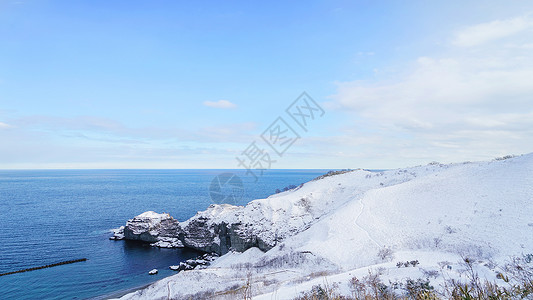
{"points": [[347, 225]]}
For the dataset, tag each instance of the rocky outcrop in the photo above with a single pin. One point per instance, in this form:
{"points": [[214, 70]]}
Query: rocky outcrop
{"points": [[223, 228], [160, 229], [190, 264], [211, 231], [118, 233], [220, 238], [168, 242]]}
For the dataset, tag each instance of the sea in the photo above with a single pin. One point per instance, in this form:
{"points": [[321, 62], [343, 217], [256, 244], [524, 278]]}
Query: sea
{"points": [[50, 216]]}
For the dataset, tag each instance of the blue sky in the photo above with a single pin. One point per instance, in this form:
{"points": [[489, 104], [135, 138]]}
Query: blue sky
{"points": [[176, 84]]}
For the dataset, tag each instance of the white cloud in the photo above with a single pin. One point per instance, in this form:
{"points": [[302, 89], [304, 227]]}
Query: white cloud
{"points": [[486, 32], [220, 104], [56, 142], [104, 129], [476, 99]]}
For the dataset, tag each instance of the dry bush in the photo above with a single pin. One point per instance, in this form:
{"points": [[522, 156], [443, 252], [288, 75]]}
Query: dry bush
{"points": [[517, 282], [386, 254], [333, 173]]}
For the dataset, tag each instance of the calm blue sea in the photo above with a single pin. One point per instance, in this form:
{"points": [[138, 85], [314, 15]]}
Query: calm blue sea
{"points": [[56, 215]]}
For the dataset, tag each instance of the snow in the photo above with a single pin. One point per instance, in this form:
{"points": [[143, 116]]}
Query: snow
{"points": [[168, 242], [117, 230], [118, 233], [153, 215], [336, 226]]}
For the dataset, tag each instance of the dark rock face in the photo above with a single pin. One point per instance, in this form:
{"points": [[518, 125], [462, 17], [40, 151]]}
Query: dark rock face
{"points": [[221, 237], [200, 235], [242, 237]]}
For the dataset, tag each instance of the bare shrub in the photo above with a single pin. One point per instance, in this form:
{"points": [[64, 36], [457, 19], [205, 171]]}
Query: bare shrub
{"points": [[386, 254], [443, 264], [412, 263], [305, 204], [358, 288], [289, 188], [333, 173], [449, 229], [318, 292], [517, 282], [437, 241], [504, 157], [247, 288], [291, 259], [419, 289], [430, 273]]}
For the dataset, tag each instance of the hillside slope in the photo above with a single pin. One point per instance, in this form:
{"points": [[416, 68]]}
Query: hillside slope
{"points": [[338, 227]]}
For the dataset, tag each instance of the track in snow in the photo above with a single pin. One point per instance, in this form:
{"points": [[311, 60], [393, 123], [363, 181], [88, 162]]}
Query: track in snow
{"points": [[360, 227]]}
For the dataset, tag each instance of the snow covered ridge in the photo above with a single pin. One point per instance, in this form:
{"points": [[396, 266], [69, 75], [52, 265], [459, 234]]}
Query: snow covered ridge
{"points": [[262, 223], [340, 227]]}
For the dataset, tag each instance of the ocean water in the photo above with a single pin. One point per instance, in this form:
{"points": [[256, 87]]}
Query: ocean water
{"points": [[57, 215]]}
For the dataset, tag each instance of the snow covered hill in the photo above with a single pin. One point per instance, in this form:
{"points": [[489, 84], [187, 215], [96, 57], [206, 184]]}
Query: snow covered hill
{"points": [[344, 226]]}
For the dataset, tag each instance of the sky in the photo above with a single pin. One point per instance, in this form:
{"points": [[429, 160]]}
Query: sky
{"points": [[192, 84]]}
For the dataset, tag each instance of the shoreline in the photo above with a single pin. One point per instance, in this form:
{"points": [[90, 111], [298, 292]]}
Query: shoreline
{"points": [[121, 293]]}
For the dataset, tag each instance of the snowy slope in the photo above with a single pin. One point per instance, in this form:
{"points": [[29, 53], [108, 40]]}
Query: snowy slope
{"points": [[336, 226]]}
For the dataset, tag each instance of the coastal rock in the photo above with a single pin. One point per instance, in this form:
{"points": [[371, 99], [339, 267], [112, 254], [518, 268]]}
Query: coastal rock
{"points": [[168, 242], [222, 228], [201, 261], [118, 233], [185, 266], [153, 227]]}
